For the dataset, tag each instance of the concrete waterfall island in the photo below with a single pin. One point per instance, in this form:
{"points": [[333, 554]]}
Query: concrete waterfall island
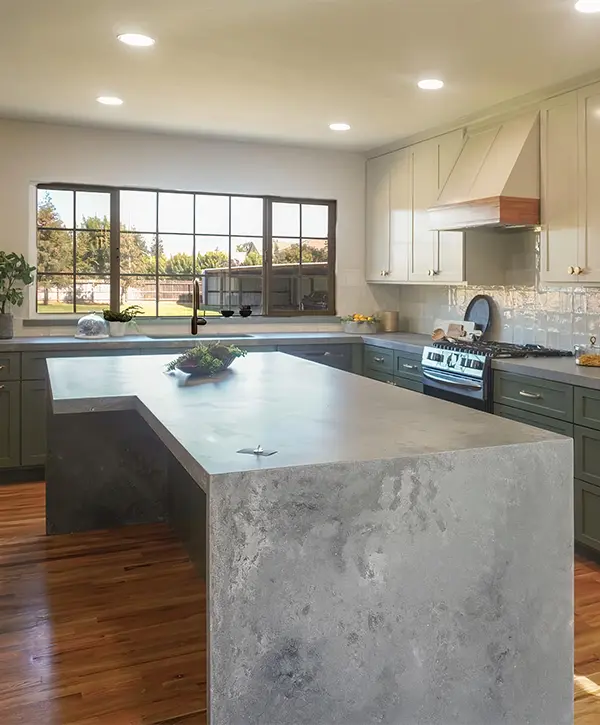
{"points": [[399, 560]]}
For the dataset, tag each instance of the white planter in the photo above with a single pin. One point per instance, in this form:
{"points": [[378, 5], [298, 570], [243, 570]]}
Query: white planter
{"points": [[359, 328], [117, 329]]}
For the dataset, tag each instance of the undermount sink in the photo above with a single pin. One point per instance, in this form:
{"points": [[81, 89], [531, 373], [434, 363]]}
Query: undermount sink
{"points": [[204, 335]]}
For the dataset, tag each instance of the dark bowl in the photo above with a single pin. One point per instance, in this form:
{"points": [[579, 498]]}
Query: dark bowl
{"points": [[245, 313], [195, 371], [227, 313]]}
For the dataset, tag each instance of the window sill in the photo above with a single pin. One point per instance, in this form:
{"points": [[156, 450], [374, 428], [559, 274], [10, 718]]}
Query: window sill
{"points": [[67, 321]]}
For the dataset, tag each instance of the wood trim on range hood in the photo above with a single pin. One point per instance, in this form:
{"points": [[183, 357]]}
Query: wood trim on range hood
{"points": [[495, 211]]}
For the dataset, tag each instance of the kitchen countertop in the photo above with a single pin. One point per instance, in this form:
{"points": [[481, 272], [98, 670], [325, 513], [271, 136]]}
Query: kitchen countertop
{"points": [[55, 343], [558, 369], [325, 416]]}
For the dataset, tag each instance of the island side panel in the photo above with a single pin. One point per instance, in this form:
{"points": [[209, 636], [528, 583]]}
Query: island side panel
{"points": [[435, 590], [103, 470]]}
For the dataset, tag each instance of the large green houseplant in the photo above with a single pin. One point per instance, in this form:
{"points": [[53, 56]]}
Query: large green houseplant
{"points": [[15, 274]]}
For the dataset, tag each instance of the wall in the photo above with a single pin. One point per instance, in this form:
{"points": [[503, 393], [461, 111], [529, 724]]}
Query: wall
{"points": [[554, 316], [31, 153]]}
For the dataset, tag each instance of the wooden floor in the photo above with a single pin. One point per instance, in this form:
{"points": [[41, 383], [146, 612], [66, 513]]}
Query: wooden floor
{"points": [[86, 640], [104, 628]]}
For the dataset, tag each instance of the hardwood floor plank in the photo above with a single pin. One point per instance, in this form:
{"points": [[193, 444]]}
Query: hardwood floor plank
{"points": [[101, 628]]}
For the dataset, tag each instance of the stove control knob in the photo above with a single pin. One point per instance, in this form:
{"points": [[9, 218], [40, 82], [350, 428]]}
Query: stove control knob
{"points": [[452, 360]]}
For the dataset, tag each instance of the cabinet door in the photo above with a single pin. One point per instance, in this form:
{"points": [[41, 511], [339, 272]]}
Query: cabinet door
{"points": [[589, 166], [33, 423], [450, 248], [423, 257], [401, 215], [587, 514], [559, 189], [378, 219], [10, 407]]}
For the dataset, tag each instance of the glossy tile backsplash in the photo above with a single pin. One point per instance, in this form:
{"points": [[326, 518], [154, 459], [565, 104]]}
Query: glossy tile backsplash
{"points": [[554, 316]]}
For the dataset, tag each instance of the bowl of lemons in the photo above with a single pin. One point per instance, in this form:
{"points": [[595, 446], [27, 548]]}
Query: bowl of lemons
{"points": [[358, 324]]}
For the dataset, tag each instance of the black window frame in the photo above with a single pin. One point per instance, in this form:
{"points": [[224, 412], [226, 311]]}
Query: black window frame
{"points": [[268, 309]]}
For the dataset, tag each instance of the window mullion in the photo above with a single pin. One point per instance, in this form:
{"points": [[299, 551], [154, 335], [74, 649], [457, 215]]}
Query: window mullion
{"points": [[115, 250]]}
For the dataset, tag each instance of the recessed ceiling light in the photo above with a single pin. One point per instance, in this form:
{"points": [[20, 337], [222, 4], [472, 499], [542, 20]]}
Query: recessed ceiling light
{"points": [[431, 84], [339, 126], [110, 100], [137, 39], [588, 6]]}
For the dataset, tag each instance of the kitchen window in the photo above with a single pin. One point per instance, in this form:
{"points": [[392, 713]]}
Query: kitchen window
{"points": [[100, 247]]}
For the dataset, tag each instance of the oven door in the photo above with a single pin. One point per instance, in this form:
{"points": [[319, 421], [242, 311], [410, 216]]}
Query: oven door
{"points": [[455, 388]]}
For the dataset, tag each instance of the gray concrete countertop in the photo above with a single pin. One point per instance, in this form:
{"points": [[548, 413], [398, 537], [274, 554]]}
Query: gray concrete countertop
{"points": [[560, 370], [55, 343], [309, 413], [403, 341]]}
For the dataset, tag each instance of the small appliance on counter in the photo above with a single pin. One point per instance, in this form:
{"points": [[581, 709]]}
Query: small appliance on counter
{"points": [[461, 371]]}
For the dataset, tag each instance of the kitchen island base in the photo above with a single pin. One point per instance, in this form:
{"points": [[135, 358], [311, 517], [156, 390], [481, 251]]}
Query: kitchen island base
{"points": [[422, 576]]}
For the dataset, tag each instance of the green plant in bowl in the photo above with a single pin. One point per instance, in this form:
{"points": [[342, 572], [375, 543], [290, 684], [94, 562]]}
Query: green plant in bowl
{"points": [[206, 359]]}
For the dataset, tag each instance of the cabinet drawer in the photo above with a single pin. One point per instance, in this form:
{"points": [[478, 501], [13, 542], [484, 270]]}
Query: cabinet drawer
{"points": [[587, 407], [408, 366], [587, 514], [587, 455], [535, 395], [408, 383], [10, 425], [34, 363], [382, 377], [334, 356], [538, 421], [10, 366], [379, 358]]}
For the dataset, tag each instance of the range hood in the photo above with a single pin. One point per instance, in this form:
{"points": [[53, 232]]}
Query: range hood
{"points": [[495, 181]]}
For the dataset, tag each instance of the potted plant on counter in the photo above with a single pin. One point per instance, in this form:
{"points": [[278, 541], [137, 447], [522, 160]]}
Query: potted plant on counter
{"points": [[15, 275], [119, 321]]}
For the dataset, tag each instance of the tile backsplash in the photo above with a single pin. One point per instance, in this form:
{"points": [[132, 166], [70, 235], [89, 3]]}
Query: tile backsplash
{"points": [[554, 316]]}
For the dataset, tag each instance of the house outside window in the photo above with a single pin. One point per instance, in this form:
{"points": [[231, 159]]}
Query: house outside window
{"points": [[100, 247]]}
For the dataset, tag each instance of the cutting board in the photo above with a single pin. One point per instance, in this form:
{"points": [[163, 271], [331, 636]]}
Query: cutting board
{"points": [[452, 328]]}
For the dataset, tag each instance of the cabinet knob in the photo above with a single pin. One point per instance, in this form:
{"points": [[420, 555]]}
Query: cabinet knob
{"points": [[578, 270], [570, 270], [432, 272]]}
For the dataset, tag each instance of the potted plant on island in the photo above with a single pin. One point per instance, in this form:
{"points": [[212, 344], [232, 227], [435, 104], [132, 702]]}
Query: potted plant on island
{"points": [[15, 274], [118, 321], [206, 359]]}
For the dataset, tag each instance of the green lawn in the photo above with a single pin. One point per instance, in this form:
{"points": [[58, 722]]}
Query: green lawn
{"points": [[167, 309]]}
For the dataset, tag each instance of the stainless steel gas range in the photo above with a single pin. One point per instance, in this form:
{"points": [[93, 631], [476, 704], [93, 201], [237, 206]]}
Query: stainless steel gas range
{"points": [[461, 372]]}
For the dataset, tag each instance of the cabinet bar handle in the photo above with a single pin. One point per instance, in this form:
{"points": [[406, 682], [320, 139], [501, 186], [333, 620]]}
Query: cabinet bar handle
{"points": [[1, 387], [390, 382], [525, 394], [378, 359], [2, 367], [410, 367]]}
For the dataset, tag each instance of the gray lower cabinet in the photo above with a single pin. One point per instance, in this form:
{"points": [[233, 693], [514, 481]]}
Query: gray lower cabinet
{"points": [[10, 427], [334, 356], [396, 380], [33, 423], [379, 359], [538, 421], [536, 395], [587, 455], [587, 514]]}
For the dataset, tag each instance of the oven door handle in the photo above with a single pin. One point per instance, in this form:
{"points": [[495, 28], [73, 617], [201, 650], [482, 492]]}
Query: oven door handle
{"points": [[440, 378]]}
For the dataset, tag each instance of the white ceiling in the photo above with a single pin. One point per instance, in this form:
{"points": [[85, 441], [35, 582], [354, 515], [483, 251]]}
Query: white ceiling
{"points": [[282, 70]]}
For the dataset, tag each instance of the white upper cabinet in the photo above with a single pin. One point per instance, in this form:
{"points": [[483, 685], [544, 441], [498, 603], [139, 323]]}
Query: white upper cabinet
{"points": [[389, 217], [560, 190], [588, 259], [436, 256], [401, 215], [378, 219]]}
